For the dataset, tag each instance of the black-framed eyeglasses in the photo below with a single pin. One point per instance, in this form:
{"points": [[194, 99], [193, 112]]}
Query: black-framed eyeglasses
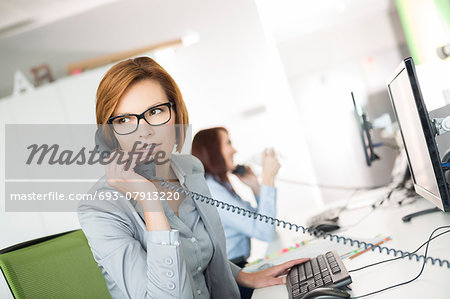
{"points": [[154, 116]]}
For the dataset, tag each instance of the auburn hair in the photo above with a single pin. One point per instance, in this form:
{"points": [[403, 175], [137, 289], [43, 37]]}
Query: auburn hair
{"points": [[206, 146], [126, 73]]}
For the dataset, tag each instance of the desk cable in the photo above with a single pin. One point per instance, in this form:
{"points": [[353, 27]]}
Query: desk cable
{"points": [[400, 257], [304, 230], [427, 243]]}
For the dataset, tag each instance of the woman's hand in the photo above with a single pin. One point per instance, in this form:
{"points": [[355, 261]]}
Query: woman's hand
{"points": [[123, 178], [270, 166], [249, 178], [268, 277]]}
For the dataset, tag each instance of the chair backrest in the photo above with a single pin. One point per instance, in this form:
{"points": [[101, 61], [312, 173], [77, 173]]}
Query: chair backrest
{"points": [[59, 267]]}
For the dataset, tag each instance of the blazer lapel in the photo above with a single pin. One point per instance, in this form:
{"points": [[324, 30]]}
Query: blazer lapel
{"points": [[208, 212], [218, 274]]}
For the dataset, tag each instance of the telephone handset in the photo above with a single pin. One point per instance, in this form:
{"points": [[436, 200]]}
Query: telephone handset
{"points": [[146, 170], [239, 170]]}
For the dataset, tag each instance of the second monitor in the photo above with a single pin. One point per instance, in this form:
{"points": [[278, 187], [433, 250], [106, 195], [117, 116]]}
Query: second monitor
{"points": [[418, 135]]}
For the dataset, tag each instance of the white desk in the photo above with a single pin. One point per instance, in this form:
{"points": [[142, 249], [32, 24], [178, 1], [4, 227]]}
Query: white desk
{"points": [[434, 281]]}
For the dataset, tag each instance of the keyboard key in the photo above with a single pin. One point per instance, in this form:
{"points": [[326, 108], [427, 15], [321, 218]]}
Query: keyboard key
{"points": [[308, 270], [325, 273], [327, 279], [333, 264], [294, 271], [303, 289], [301, 273], [315, 266], [321, 261], [311, 287], [319, 282], [335, 270], [297, 295], [293, 275]]}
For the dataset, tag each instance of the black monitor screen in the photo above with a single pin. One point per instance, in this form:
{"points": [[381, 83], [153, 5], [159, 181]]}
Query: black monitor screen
{"points": [[365, 129], [418, 135]]}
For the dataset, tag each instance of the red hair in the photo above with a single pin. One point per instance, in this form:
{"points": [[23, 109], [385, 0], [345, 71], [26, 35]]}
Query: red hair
{"points": [[206, 146], [128, 72]]}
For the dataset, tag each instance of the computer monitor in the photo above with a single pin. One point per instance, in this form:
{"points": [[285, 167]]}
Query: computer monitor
{"points": [[418, 136], [365, 133]]}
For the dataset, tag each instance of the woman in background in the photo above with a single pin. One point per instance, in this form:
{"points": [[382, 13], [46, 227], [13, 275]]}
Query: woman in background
{"points": [[214, 149]]}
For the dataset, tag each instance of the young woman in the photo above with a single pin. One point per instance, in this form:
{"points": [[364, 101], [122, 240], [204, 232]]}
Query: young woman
{"points": [[213, 147], [151, 248]]}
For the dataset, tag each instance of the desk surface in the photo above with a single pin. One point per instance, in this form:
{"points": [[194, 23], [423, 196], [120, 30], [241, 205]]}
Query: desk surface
{"points": [[386, 220]]}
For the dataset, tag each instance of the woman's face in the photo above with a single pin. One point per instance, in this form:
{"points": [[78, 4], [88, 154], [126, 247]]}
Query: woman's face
{"points": [[228, 150], [136, 99]]}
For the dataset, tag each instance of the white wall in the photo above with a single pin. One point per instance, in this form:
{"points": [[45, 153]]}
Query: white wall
{"points": [[356, 50], [70, 101], [326, 109], [434, 83], [224, 80]]}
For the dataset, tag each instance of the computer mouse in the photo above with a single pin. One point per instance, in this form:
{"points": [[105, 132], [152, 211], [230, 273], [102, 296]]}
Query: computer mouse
{"points": [[326, 226], [326, 293]]}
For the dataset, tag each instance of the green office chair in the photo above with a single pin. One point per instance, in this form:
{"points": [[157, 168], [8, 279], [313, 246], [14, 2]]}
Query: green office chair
{"points": [[58, 266]]}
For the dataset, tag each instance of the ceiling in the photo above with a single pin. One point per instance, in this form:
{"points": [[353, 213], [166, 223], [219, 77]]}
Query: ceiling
{"points": [[61, 32], [293, 18], [18, 16], [91, 30]]}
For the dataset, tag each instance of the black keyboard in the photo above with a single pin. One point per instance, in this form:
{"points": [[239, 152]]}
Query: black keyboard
{"points": [[325, 270]]}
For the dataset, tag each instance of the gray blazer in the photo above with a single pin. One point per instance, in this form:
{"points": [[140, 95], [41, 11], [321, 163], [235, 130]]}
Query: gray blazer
{"points": [[134, 261]]}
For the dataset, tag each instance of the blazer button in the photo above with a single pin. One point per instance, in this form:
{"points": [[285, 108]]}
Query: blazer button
{"points": [[171, 286], [170, 273], [168, 261]]}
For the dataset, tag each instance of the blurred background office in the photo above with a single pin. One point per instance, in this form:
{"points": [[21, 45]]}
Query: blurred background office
{"points": [[275, 73]]}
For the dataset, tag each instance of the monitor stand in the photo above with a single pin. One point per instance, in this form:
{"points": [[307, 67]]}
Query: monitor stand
{"points": [[408, 217]]}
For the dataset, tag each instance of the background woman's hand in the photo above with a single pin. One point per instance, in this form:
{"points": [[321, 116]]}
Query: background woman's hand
{"points": [[268, 277], [249, 178], [270, 167]]}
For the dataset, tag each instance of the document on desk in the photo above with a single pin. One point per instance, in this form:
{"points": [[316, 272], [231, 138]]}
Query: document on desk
{"points": [[358, 251], [311, 249]]}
